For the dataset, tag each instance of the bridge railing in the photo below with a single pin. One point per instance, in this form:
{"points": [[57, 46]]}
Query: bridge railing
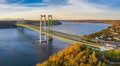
{"points": [[36, 25]]}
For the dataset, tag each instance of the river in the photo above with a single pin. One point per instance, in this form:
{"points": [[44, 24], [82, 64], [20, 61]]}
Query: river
{"points": [[22, 49]]}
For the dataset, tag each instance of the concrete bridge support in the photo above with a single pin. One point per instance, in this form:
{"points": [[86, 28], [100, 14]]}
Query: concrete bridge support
{"points": [[47, 23], [50, 38], [20, 20], [43, 23]]}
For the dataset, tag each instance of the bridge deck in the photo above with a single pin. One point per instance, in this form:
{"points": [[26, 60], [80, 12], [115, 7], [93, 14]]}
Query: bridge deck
{"points": [[60, 35]]}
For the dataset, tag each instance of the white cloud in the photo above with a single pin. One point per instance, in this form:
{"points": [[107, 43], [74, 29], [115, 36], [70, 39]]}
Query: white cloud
{"points": [[76, 9], [3, 1], [84, 6]]}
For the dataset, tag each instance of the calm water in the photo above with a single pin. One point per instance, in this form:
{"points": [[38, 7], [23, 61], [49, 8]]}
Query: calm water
{"points": [[22, 49]]}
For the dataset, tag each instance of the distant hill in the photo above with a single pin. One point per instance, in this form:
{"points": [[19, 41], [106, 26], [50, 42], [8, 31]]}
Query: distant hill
{"points": [[11, 23], [7, 24], [96, 21]]}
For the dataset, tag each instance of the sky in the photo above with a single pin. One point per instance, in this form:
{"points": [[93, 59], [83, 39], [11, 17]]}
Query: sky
{"points": [[60, 9]]}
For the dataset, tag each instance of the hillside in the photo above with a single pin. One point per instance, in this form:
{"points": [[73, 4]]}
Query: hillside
{"points": [[111, 33], [78, 55]]}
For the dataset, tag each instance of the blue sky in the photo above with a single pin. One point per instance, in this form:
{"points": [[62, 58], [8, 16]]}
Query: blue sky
{"points": [[62, 9], [24, 1]]}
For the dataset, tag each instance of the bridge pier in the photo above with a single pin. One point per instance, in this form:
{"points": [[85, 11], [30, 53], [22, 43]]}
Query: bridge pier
{"points": [[20, 27], [50, 39]]}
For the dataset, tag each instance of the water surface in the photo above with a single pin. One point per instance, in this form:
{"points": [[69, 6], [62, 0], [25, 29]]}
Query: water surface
{"points": [[22, 49]]}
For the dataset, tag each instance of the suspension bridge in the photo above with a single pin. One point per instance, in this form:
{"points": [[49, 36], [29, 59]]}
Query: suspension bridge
{"points": [[44, 27]]}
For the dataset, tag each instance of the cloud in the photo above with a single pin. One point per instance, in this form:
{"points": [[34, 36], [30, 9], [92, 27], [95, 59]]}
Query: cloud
{"points": [[3, 1], [110, 3], [86, 6], [67, 9]]}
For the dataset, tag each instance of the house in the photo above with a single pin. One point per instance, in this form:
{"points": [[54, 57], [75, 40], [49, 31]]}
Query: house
{"points": [[117, 38]]}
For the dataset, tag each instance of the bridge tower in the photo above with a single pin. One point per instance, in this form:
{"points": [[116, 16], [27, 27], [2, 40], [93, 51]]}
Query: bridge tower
{"points": [[47, 23], [50, 24], [43, 22]]}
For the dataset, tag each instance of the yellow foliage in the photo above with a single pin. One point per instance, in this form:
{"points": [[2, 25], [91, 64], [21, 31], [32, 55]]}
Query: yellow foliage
{"points": [[76, 55]]}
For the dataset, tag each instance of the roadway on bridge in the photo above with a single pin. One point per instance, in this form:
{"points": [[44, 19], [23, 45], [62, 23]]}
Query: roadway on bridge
{"points": [[60, 35]]}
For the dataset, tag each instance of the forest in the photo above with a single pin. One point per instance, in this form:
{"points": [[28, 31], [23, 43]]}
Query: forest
{"points": [[79, 55]]}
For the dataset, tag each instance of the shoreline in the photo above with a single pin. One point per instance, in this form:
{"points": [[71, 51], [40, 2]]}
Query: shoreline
{"points": [[7, 24], [95, 21], [11, 23], [110, 35]]}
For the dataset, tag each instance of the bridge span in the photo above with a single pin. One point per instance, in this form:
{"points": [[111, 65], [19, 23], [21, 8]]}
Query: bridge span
{"points": [[47, 31]]}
